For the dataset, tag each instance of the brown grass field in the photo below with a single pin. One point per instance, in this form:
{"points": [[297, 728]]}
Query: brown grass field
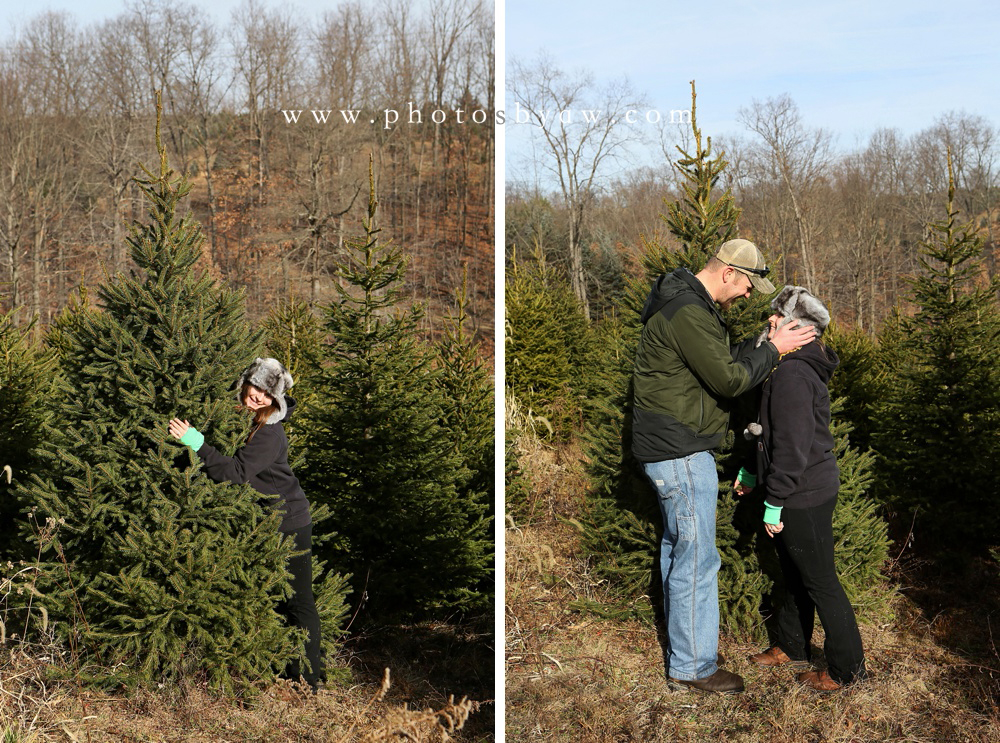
{"points": [[576, 677], [439, 687]]}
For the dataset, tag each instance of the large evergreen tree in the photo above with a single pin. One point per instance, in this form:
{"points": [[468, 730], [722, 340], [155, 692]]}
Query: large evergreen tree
{"points": [[416, 542], [149, 566], [934, 429]]}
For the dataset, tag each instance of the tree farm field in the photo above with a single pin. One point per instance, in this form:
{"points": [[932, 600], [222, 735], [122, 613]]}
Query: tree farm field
{"points": [[572, 675]]}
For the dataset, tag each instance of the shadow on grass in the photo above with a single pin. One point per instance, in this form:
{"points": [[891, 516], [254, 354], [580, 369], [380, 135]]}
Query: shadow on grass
{"points": [[959, 605], [431, 661]]}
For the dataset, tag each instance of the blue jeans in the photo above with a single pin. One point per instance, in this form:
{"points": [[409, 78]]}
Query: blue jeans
{"points": [[688, 490]]}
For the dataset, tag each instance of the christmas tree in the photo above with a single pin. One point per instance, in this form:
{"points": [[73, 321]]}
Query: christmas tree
{"points": [[468, 417], [416, 540], [26, 390], [548, 345], [294, 336], [860, 379], [934, 428], [149, 566]]}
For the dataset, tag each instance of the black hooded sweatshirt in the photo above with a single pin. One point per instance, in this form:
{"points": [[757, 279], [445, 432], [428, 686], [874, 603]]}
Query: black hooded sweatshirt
{"points": [[262, 462], [795, 451]]}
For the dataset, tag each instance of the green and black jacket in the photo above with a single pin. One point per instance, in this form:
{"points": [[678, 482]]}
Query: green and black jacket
{"points": [[686, 372]]}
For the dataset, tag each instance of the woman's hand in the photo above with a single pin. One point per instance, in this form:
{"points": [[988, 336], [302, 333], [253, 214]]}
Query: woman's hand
{"points": [[186, 433], [740, 488], [773, 529], [178, 428]]}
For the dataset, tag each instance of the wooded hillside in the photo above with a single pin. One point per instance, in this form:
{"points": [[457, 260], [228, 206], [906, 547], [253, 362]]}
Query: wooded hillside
{"points": [[277, 197]]}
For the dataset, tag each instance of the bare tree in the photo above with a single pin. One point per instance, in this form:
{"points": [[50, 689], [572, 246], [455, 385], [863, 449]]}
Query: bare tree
{"points": [[482, 77], [449, 23], [400, 58], [973, 143], [266, 47], [203, 81], [53, 60], [162, 31], [41, 79], [800, 155], [402, 83], [117, 80], [861, 239], [582, 130], [341, 48]]}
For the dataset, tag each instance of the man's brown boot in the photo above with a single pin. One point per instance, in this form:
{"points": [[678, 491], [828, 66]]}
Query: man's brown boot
{"points": [[775, 656], [720, 682]]}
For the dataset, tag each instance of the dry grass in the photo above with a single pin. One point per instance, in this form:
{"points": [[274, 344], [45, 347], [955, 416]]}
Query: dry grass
{"points": [[574, 677], [378, 708]]}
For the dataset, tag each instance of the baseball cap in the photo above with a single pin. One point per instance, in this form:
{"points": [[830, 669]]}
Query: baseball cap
{"points": [[744, 256]]}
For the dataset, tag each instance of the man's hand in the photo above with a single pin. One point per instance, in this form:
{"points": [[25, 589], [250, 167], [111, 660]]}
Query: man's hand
{"points": [[791, 336], [741, 489]]}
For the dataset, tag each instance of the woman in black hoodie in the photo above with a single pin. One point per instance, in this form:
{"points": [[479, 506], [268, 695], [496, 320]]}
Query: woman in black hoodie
{"points": [[798, 470], [262, 462]]}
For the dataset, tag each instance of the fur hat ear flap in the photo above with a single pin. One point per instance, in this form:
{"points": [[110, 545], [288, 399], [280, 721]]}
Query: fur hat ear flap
{"points": [[797, 303], [272, 377]]}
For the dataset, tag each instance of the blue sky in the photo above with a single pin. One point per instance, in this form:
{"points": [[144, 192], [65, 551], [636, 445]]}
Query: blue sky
{"points": [[850, 66]]}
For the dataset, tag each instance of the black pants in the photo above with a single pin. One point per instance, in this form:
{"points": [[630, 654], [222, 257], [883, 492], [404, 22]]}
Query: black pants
{"points": [[805, 550], [300, 609]]}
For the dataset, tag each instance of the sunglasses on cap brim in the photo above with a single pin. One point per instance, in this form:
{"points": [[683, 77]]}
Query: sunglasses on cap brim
{"points": [[762, 272]]}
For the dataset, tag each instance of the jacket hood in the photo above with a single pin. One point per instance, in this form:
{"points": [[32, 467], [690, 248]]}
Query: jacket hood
{"points": [[669, 286], [290, 405], [820, 357]]}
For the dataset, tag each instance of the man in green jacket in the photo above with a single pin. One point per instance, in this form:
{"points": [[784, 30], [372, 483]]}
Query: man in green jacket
{"points": [[686, 375]]}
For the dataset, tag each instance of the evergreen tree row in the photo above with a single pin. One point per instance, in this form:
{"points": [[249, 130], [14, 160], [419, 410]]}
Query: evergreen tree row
{"points": [[620, 524], [136, 561]]}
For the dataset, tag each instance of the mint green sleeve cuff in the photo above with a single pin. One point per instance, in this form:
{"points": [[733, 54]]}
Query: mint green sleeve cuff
{"points": [[772, 514], [193, 438], [747, 478]]}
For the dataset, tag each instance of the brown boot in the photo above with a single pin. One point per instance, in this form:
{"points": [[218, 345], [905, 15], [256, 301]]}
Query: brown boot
{"points": [[775, 656], [720, 682], [819, 680]]}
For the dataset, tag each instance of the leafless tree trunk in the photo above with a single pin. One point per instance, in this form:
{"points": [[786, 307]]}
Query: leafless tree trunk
{"points": [[800, 156], [267, 58], [581, 131], [199, 93]]}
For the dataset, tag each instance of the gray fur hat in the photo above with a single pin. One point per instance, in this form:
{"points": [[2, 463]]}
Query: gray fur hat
{"points": [[272, 377], [797, 303]]}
